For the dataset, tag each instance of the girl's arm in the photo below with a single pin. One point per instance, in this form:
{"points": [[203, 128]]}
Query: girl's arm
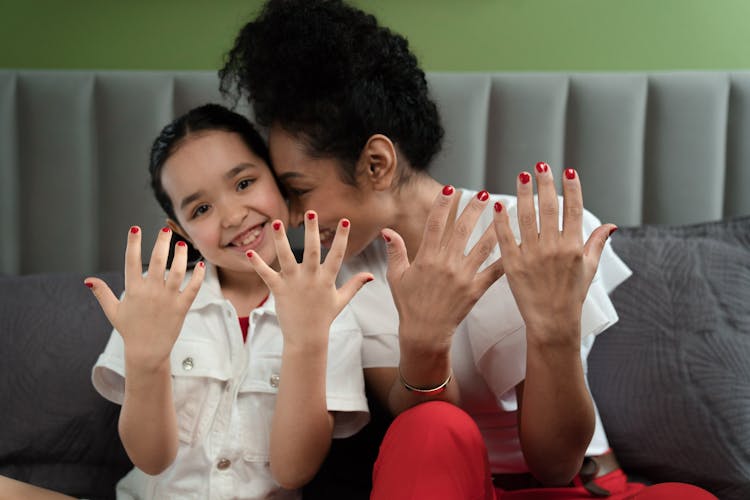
{"points": [[149, 318], [549, 274], [307, 302], [433, 294]]}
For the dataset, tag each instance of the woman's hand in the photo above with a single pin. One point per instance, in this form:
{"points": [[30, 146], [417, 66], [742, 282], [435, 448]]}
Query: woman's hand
{"points": [[307, 300], [150, 315], [551, 269]]}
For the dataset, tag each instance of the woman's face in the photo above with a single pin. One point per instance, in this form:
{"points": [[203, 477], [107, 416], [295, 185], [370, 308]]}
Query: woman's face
{"points": [[224, 197], [316, 184]]}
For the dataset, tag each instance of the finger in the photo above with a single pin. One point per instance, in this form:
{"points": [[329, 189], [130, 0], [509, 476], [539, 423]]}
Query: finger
{"points": [[104, 295], [266, 273], [549, 212], [311, 255], [464, 226], [526, 210], [398, 260], [436, 220], [158, 264], [597, 240], [191, 289], [133, 262], [178, 267], [505, 237], [284, 253], [483, 248], [335, 255], [490, 274], [572, 205], [352, 286]]}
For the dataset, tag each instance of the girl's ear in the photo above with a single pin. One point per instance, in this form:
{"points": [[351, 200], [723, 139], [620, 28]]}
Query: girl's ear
{"points": [[176, 228], [378, 163]]}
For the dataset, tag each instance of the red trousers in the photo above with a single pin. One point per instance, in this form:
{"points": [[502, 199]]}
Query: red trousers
{"points": [[435, 451]]}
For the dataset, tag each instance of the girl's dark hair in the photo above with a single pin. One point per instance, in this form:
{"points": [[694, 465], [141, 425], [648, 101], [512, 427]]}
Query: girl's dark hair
{"points": [[203, 118], [328, 73]]}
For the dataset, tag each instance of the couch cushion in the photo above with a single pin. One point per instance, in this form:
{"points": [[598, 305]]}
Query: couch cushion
{"points": [[672, 377], [55, 430]]}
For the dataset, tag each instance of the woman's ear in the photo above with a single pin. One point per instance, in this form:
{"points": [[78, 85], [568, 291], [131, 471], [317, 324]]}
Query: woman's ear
{"points": [[176, 228], [378, 163]]}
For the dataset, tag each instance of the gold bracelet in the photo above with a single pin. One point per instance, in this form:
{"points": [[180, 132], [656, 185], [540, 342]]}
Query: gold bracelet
{"points": [[425, 392]]}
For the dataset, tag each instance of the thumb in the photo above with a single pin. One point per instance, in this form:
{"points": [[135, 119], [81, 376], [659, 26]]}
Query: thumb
{"points": [[104, 295], [353, 285], [398, 260], [595, 244]]}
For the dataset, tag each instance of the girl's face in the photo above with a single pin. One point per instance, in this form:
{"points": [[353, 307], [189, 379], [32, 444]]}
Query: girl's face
{"points": [[225, 198], [315, 184]]}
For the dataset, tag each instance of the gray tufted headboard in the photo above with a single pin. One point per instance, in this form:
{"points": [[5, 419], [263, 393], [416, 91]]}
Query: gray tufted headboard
{"points": [[650, 147]]}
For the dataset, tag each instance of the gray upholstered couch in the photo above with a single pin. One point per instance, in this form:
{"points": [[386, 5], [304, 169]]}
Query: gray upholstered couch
{"points": [[662, 155]]}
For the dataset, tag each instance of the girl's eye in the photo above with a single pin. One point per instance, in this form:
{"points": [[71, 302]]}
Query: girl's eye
{"points": [[200, 210], [244, 184]]}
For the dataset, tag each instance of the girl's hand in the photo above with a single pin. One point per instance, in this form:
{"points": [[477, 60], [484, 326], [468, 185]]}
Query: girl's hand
{"points": [[550, 271], [307, 300], [437, 290], [153, 309]]}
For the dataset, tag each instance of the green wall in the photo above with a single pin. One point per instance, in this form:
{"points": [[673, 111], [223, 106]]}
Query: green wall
{"points": [[447, 35]]}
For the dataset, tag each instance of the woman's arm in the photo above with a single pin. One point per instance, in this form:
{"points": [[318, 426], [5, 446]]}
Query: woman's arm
{"points": [[307, 302], [149, 318]]}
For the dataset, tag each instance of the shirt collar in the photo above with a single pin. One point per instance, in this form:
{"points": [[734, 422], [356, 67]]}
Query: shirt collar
{"points": [[210, 293]]}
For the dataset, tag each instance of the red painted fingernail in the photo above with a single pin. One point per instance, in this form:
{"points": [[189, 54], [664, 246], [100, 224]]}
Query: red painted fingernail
{"points": [[344, 223], [90, 285], [369, 279], [277, 225], [165, 230], [612, 231], [311, 215], [448, 190], [181, 244], [201, 264], [483, 195], [386, 238], [134, 229], [249, 254], [498, 207], [524, 177], [542, 167], [570, 173]]}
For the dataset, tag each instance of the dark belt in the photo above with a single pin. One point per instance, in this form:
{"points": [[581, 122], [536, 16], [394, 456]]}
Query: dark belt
{"points": [[592, 468]]}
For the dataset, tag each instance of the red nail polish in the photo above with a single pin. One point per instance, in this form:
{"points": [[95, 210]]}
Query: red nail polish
{"points": [[612, 231], [181, 244], [90, 285], [524, 177], [201, 264], [311, 215], [386, 238], [344, 223], [277, 225], [498, 207], [570, 173], [134, 229], [542, 167], [165, 229], [369, 279], [483, 195], [447, 190], [249, 254]]}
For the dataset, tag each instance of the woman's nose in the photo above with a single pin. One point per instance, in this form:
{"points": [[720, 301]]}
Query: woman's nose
{"points": [[296, 215]]}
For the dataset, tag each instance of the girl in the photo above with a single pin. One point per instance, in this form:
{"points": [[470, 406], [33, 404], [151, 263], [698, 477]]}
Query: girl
{"points": [[352, 131], [233, 378]]}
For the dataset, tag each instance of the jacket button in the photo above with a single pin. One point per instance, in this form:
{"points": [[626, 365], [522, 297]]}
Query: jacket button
{"points": [[274, 380], [223, 464], [187, 364]]}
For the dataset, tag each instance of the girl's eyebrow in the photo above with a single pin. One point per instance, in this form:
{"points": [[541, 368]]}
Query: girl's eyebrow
{"points": [[228, 175]]}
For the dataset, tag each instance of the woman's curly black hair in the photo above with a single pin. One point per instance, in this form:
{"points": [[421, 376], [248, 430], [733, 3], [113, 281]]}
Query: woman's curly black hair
{"points": [[328, 73]]}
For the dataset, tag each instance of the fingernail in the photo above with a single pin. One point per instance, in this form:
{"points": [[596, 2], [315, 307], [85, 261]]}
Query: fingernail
{"points": [[181, 244], [386, 238], [369, 279], [524, 177], [570, 173], [249, 254], [542, 167], [498, 207], [277, 225], [612, 231], [88, 284], [483, 195], [134, 229], [165, 229], [201, 264], [448, 190], [311, 215], [344, 223]]}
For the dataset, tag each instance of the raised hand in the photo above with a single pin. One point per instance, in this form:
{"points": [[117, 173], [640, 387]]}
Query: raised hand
{"points": [[437, 290], [307, 300], [153, 309], [551, 269]]}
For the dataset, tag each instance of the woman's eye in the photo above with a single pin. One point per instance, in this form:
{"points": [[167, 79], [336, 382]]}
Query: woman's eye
{"points": [[297, 192], [200, 210], [244, 184]]}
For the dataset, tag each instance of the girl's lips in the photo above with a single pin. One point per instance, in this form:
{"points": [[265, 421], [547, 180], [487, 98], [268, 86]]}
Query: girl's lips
{"points": [[248, 240]]}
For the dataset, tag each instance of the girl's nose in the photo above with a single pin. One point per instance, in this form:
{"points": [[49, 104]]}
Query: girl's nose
{"points": [[233, 216]]}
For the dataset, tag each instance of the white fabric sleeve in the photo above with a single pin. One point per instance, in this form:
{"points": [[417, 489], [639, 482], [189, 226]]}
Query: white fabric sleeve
{"points": [[108, 373]]}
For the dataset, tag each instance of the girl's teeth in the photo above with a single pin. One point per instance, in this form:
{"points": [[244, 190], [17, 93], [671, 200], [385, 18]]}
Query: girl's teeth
{"points": [[251, 236]]}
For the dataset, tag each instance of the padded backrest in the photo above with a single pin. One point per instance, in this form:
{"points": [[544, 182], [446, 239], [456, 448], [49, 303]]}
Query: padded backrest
{"points": [[650, 148]]}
